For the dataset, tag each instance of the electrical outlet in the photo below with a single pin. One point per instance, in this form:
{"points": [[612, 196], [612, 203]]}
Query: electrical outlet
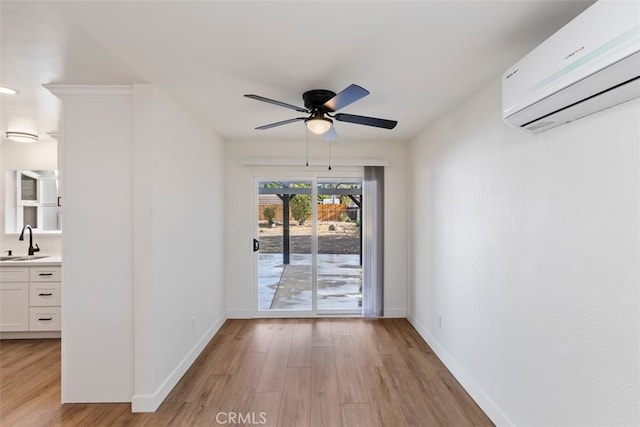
{"points": [[193, 323], [440, 321]]}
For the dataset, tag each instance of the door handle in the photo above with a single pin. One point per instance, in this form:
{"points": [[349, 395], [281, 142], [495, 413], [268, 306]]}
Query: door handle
{"points": [[256, 245]]}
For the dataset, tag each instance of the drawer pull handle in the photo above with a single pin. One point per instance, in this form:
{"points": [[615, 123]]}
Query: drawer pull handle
{"points": [[45, 318], [45, 274], [48, 294]]}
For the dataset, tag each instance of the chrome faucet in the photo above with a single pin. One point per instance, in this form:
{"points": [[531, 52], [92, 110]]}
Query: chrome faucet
{"points": [[32, 250]]}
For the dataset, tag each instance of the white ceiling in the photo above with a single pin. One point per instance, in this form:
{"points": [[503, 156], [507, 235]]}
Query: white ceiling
{"points": [[418, 59]]}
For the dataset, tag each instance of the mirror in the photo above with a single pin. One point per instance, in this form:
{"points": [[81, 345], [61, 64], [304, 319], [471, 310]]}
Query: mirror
{"points": [[31, 197]]}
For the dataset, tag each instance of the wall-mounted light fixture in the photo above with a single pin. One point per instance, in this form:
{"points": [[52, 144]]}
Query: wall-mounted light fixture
{"points": [[22, 137], [7, 90]]}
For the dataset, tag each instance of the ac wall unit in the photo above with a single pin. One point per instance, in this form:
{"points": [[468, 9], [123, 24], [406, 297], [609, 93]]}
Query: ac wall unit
{"points": [[591, 64]]}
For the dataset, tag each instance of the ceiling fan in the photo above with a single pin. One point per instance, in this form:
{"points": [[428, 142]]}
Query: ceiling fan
{"points": [[320, 104]]}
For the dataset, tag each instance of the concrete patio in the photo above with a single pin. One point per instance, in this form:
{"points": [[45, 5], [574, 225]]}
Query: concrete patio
{"points": [[288, 287]]}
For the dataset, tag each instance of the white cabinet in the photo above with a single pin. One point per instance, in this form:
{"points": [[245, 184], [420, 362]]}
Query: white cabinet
{"points": [[14, 306], [44, 298], [45, 294], [44, 274], [30, 298], [44, 318]]}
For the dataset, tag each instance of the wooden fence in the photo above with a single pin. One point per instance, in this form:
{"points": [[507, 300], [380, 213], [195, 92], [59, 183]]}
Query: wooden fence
{"points": [[325, 212]]}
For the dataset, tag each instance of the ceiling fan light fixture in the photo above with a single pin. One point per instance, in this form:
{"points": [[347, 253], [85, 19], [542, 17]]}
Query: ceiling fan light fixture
{"points": [[23, 137], [319, 125]]}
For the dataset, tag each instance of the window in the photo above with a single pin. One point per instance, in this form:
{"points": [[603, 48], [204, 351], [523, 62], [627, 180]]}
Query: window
{"points": [[31, 198]]}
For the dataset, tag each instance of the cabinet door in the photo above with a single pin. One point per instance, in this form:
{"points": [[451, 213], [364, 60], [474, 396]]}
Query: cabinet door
{"points": [[14, 307]]}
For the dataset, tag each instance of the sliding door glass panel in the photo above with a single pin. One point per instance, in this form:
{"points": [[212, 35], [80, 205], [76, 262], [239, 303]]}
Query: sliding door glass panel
{"points": [[339, 273], [285, 261]]}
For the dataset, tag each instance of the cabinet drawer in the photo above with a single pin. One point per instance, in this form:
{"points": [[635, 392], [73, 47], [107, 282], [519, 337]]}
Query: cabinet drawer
{"points": [[44, 318], [44, 294], [14, 274], [46, 274]]}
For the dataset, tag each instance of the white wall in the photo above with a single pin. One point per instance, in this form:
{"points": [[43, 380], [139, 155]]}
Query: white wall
{"points": [[178, 249], [527, 246], [42, 155], [240, 208], [143, 246], [97, 297]]}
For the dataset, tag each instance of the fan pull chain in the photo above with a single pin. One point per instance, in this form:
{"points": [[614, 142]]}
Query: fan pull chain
{"points": [[329, 155], [307, 134]]}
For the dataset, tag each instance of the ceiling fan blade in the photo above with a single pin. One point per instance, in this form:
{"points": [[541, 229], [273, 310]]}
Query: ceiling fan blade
{"points": [[331, 134], [349, 95], [284, 122], [279, 103], [367, 121]]}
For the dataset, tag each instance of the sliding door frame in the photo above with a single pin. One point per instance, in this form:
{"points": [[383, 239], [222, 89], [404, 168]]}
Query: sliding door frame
{"points": [[292, 176]]}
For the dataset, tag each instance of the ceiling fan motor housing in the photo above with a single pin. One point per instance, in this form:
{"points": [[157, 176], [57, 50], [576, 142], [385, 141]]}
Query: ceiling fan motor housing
{"points": [[314, 99]]}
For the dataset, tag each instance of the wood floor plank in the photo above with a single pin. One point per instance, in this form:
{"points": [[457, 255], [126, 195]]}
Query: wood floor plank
{"points": [[340, 326], [358, 326], [303, 333], [416, 408], [222, 354], [365, 350], [404, 336], [383, 341], [275, 367], [461, 398], [300, 357], [321, 333], [446, 409], [265, 408], [258, 337], [326, 372], [359, 415], [350, 383], [295, 409], [325, 398], [234, 327], [384, 399], [241, 386]]}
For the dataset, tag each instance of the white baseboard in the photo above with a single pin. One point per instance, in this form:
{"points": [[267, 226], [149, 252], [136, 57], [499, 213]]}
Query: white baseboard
{"points": [[29, 335], [475, 391], [395, 312], [249, 314], [240, 314], [151, 402]]}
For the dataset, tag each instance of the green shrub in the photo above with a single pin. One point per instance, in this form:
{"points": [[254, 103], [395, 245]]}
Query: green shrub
{"points": [[345, 218], [301, 207], [270, 214]]}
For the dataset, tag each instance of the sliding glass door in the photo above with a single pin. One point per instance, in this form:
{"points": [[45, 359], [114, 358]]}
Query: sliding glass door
{"points": [[284, 246], [309, 247], [339, 272]]}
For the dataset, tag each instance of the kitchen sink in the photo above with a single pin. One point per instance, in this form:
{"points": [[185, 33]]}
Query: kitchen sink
{"points": [[21, 258]]}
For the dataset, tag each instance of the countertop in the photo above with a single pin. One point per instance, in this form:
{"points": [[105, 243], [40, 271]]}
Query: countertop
{"points": [[53, 260]]}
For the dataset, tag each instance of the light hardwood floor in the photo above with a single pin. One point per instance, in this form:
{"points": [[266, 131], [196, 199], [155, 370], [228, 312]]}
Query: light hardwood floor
{"points": [[273, 372]]}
